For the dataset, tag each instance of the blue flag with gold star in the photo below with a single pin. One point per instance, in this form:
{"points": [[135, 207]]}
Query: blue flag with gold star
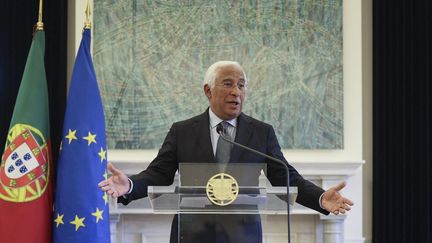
{"points": [[81, 208]]}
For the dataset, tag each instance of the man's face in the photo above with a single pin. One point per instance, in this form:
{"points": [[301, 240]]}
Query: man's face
{"points": [[226, 98]]}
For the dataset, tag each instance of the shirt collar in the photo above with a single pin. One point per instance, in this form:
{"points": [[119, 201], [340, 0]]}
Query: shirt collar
{"points": [[214, 120]]}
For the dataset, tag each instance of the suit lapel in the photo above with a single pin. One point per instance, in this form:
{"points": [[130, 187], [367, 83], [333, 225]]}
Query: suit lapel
{"points": [[243, 133], [203, 137]]}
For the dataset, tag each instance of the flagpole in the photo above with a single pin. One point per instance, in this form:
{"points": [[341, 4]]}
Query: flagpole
{"points": [[87, 23], [39, 24]]}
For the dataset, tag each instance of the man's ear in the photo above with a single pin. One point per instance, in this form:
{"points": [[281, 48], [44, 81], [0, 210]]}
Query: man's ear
{"points": [[207, 91]]}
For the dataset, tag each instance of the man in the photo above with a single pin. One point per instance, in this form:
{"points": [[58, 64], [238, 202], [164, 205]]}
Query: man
{"points": [[196, 140]]}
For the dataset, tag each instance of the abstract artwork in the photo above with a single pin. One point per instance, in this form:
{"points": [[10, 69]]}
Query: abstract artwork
{"points": [[150, 58]]}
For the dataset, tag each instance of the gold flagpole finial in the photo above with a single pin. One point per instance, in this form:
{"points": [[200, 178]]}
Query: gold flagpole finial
{"points": [[87, 23], [39, 24]]}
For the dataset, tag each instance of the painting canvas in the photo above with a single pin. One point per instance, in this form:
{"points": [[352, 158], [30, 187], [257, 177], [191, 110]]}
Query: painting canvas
{"points": [[150, 58]]}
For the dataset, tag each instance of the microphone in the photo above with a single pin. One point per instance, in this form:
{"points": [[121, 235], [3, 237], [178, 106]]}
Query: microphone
{"points": [[222, 133], [220, 129]]}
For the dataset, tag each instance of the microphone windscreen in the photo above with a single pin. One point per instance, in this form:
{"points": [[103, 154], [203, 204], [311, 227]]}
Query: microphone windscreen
{"points": [[219, 128]]}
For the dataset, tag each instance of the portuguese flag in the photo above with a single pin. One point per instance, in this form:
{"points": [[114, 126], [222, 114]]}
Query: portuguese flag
{"points": [[26, 166]]}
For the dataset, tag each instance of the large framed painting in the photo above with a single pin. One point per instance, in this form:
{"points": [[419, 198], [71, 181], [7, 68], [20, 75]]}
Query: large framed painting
{"points": [[150, 58]]}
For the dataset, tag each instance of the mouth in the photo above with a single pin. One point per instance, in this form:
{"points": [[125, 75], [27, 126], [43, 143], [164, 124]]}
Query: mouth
{"points": [[234, 103]]}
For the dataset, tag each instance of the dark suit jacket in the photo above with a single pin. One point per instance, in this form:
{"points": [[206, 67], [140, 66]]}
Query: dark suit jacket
{"points": [[189, 141]]}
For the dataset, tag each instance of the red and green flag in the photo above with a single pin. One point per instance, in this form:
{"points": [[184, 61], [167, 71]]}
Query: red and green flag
{"points": [[26, 163]]}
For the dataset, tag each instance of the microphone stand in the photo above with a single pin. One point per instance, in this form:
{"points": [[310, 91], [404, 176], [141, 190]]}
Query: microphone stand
{"points": [[221, 131]]}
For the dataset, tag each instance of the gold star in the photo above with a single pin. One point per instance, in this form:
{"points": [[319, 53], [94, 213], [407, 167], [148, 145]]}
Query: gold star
{"points": [[78, 222], [105, 198], [98, 214], [91, 138], [102, 154], [59, 220], [105, 175], [71, 135]]}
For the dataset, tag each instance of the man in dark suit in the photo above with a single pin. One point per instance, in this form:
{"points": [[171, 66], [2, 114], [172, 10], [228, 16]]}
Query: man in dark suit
{"points": [[196, 140]]}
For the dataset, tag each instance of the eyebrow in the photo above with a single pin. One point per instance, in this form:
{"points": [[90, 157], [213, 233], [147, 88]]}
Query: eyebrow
{"points": [[231, 79]]}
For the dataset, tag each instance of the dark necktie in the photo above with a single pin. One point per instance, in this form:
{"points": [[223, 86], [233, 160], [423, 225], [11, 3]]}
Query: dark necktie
{"points": [[223, 148]]}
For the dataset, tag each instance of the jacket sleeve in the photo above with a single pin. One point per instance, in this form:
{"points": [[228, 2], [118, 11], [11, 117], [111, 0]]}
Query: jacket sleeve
{"points": [[308, 193], [161, 170]]}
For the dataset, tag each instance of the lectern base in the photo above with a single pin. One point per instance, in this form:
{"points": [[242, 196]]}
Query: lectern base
{"points": [[216, 228]]}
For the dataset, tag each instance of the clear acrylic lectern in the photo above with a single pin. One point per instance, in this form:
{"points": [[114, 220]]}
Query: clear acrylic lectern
{"points": [[214, 202]]}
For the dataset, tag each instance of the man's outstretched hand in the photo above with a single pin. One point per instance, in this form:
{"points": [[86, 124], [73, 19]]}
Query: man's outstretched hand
{"points": [[334, 202], [117, 185]]}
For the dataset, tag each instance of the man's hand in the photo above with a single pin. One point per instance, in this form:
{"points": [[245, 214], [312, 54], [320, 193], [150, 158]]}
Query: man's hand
{"points": [[333, 201], [117, 185]]}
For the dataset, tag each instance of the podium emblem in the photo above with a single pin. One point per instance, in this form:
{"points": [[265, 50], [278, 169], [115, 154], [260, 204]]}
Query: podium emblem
{"points": [[222, 189]]}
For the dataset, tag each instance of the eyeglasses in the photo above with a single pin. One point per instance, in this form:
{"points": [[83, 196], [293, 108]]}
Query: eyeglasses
{"points": [[230, 85]]}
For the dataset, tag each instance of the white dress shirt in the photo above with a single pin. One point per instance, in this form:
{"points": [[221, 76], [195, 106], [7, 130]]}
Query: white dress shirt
{"points": [[214, 121]]}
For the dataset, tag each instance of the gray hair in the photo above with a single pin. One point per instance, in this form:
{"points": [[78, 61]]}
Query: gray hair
{"points": [[210, 75]]}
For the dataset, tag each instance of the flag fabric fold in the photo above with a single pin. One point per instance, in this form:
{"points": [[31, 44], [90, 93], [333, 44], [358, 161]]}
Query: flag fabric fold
{"points": [[81, 209], [26, 163]]}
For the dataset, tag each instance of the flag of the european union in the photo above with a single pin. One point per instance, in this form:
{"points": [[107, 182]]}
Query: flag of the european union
{"points": [[80, 207]]}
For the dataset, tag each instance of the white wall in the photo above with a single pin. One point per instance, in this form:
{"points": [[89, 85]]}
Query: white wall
{"points": [[357, 57]]}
